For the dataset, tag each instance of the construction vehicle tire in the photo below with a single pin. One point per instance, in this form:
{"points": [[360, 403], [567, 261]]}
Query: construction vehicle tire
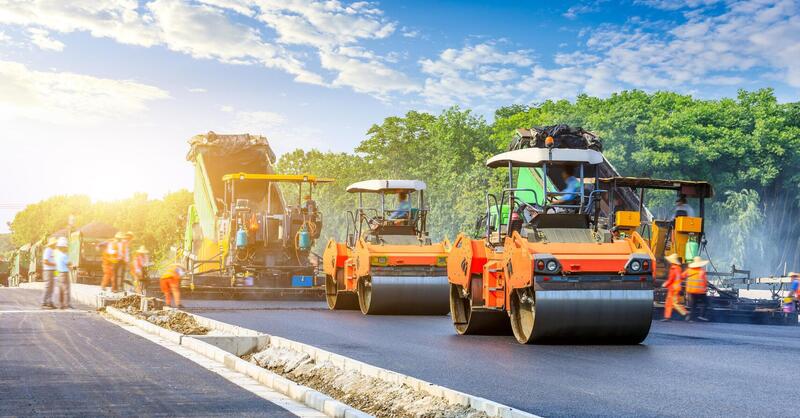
{"points": [[336, 296], [468, 320], [523, 313]]}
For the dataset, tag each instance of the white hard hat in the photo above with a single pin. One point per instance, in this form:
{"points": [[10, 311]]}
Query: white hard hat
{"points": [[62, 242]]}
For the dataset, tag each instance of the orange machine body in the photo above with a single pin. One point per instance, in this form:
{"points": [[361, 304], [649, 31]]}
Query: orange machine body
{"points": [[495, 272], [367, 258]]}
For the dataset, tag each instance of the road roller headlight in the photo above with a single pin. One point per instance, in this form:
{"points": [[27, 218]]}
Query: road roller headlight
{"points": [[638, 265], [441, 261], [546, 264]]}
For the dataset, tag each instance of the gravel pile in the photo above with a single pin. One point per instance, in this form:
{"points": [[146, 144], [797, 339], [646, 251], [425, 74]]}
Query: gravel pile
{"points": [[368, 394]]}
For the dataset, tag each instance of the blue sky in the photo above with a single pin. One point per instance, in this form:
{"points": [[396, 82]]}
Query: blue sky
{"points": [[100, 96]]}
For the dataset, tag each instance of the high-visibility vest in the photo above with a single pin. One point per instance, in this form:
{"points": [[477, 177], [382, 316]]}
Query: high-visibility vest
{"points": [[110, 253], [674, 279], [696, 281], [173, 272], [122, 248]]}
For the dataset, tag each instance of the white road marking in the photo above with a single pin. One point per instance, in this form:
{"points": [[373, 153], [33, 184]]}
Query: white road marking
{"points": [[42, 311], [239, 379]]}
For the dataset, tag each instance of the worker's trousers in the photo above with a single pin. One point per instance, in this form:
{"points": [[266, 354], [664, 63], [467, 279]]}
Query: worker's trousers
{"points": [[48, 277], [120, 269], [171, 287], [673, 303], [63, 286], [695, 300], [108, 276]]}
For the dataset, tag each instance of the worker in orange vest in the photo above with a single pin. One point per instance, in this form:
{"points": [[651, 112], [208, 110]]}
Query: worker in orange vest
{"points": [[791, 302], [673, 286], [109, 257], [171, 284], [696, 288]]}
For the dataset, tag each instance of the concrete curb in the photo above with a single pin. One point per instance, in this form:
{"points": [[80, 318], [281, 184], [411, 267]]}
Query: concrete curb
{"points": [[280, 384]]}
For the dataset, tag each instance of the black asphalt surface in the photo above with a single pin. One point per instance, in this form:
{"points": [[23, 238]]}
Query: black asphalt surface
{"points": [[74, 363], [682, 369]]}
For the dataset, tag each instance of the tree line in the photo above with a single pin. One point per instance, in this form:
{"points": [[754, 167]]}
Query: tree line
{"points": [[157, 223], [747, 146]]}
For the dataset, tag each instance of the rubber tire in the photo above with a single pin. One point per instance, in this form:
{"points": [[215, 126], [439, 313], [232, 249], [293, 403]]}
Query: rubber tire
{"points": [[364, 296], [523, 316], [469, 321], [337, 298]]}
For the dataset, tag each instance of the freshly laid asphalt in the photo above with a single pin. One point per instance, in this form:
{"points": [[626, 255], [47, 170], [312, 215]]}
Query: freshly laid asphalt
{"points": [[682, 369], [75, 363]]}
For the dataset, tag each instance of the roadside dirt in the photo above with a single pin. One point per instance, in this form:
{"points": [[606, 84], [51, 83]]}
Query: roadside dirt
{"points": [[173, 320], [368, 394]]}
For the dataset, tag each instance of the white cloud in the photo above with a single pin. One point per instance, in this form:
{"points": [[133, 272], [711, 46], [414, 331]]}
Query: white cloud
{"points": [[476, 72], [69, 98], [257, 122], [366, 75], [197, 90], [41, 38], [676, 4], [227, 108], [208, 29], [199, 30], [746, 40]]}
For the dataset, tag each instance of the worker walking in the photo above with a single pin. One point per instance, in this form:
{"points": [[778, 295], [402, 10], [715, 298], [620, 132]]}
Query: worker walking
{"points": [[696, 288], [48, 270], [62, 272], [123, 258], [139, 266], [109, 263], [673, 286], [171, 284]]}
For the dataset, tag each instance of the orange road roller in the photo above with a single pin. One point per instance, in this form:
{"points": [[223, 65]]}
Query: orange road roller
{"points": [[545, 267], [388, 265]]}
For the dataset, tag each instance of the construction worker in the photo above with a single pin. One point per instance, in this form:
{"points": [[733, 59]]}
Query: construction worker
{"points": [[791, 303], [682, 208], [403, 207], [123, 258], [309, 205], [571, 192], [171, 284], [139, 269], [696, 288], [63, 265], [109, 257], [48, 272], [673, 286]]}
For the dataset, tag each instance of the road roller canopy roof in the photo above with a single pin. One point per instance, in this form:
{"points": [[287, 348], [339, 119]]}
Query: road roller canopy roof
{"points": [[535, 157], [277, 178], [698, 189], [391, 186]]}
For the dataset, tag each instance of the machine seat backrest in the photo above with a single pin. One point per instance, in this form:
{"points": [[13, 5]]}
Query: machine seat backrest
{"points": [[560, 220]]}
